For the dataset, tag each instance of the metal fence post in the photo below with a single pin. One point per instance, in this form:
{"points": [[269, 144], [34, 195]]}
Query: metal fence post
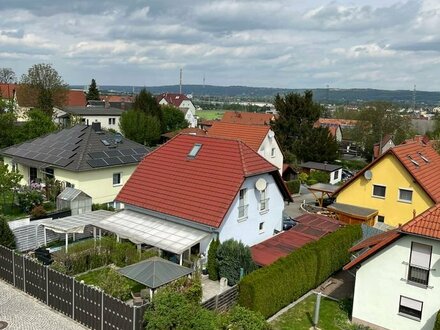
{"points": [[24, 276], [73, 298], [13, 266], [47, 285], [102, 310], [134, 317]]}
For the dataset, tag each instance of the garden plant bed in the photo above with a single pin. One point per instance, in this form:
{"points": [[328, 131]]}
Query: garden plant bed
{"points": [[333, 315]]}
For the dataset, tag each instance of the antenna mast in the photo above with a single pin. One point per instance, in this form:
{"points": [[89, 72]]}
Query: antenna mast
{"points": [[414, 98], [180, 89]]}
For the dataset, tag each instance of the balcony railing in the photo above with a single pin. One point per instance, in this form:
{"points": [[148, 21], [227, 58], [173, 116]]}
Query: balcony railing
{"points": [[243, 211], [418, 275]]}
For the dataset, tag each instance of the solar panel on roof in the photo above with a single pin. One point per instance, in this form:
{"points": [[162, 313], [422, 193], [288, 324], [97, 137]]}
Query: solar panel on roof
{"points": [[96, 163], [63, 162], [51, 159], [138, 157], [113, 161], [140, 150], [128, 159], [127, 152], [105, 142], [113, 153], [96, 155]]}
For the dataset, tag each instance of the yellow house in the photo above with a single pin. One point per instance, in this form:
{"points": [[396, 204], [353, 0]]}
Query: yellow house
{"points": [[83, 157], [400, 184]]}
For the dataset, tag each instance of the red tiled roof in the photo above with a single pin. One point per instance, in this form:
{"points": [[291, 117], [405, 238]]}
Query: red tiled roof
{"points": [[199, 189], [425, 224], [189, 130], [252, 135], [311, 227], [76, 99], [117, 98], [412, 156], [333, 130], [373, 244], [172, 98], [334, 121], [7, 90], [247, 118]]}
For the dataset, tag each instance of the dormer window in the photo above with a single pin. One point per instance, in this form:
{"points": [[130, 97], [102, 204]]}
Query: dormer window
{"points": [[195, 150]]}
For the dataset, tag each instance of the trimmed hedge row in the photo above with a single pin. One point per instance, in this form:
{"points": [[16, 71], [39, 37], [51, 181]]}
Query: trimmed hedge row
{"points": [[437, 322], [270, 288], [293, 186]]}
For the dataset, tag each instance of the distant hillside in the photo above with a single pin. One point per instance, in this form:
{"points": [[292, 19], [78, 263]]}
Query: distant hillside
{"points": [[340, 96]]}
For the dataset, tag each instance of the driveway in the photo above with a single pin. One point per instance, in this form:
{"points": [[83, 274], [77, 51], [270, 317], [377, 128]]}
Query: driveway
{"points": [[293, 209], [23, 312]]}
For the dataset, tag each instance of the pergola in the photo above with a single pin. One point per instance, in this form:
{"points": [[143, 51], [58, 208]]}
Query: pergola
{"points": [[141, 228], [155, 272], [324, 189], [75, 224]]}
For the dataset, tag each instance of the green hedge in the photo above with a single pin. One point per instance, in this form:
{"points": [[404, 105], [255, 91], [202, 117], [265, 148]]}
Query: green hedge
{"points": [[437, 322], [293, 186], [270, 288]]}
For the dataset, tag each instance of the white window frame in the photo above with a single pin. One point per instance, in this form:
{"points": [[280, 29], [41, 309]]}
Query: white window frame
{"points": [[261, 227], [378, 196], [336, 175], [273, 152], [242, 203], [264, 200], [120, 179], [405, 200]]}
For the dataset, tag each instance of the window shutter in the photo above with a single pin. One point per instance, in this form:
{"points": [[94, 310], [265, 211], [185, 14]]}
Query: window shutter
{"points": [[420, 255], [411, 303]]}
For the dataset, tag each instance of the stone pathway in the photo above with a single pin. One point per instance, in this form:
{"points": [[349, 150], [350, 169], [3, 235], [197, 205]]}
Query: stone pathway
{"points": [[23, 312]]}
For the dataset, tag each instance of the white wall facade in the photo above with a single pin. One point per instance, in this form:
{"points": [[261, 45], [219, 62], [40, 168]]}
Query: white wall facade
{"points": [[270, 150], [381, 281], [98, 183], [107, 122], [246, 229], [190, 118], [187, 104], [335, 176]]}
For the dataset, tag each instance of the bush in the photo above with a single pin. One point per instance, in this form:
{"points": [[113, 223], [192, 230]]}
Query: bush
{"points": [[269, 289], [437, 322], [212, 260], [303, 177], [311, 182], [29, 198], [6, 235], [38, 211], [240, 318], [293, 186], [319, 176], [114, 284], [191, 288], [231, 257], [104, 206]]}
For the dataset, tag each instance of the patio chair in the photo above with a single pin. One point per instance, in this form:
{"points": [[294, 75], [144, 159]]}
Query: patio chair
{"points": [[137, 299]]}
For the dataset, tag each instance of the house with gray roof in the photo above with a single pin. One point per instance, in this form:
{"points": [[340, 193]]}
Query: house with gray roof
{"points": [[334, 171], [107, 116], [83, 157]]}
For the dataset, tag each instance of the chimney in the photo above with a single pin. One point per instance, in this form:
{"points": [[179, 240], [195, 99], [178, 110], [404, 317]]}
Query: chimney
{"points": [[96, 126]]}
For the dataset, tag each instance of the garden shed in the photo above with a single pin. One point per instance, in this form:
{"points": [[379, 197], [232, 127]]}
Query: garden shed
{"points": [[74, 199]]}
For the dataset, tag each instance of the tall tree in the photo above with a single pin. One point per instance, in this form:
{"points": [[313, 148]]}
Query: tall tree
{"points": [[139, 127], [7, 76], [173, 118], [93, 93], [42, 87], [377, 119], [8, 129], [6, 235], [148, 104], [294, 129], [39, 123], [9, 180]]}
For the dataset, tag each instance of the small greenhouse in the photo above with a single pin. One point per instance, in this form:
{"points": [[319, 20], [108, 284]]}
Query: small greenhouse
{"points": [[74, 199]]}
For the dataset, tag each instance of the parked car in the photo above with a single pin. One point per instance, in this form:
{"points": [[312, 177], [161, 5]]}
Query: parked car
{"points": [[346, 174], [288, 222]]}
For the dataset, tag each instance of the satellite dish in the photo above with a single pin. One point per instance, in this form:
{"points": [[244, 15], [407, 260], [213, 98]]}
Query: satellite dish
{"points": [[368, 175], [271, 134], [261, 184], [118, 138]]}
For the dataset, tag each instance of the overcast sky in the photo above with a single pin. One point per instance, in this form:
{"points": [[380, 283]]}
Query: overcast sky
{"points": [[271, 43]]}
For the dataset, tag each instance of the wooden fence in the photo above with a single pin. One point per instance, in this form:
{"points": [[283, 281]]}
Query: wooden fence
{"points": [[222, 301], [85, 304]]}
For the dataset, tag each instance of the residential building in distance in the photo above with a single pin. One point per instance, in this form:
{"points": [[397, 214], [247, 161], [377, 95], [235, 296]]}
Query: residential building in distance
{"points": [[380, 148], [401, 183], [81, 157], [247, 118], [259, 137], [108, 118], [203, 188], [181, 102], [334, 171], [398, 275]]}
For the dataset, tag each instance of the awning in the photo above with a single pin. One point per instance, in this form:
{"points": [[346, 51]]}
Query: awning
{"points": [[141, 228], [76, 223], [155, 272], [352, 210]]}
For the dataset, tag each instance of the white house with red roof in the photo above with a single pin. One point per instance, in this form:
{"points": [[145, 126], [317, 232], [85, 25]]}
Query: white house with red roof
{"points": [[398, 275], [195, 188], [260, 138], [182, 102]]}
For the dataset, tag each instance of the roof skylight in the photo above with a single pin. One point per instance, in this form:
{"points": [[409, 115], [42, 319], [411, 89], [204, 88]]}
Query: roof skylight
{"points": [[423, 157], [195, 150], [413, 161]]}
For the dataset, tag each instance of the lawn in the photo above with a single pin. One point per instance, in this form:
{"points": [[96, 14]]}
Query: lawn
{"points": [[332, 316], [101, 278], [210, 114]]}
